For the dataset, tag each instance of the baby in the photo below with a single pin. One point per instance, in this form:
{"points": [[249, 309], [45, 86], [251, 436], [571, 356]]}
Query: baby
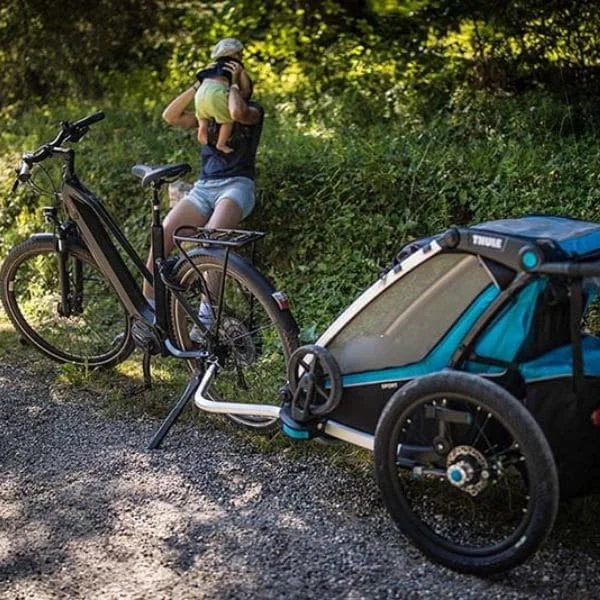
{"points": [[211, 99]]}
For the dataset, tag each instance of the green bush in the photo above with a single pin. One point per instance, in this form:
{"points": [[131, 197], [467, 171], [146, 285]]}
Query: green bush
{"points": [[343, 180]]}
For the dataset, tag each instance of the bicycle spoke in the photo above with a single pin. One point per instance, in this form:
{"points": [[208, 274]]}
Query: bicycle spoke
{"points": [[251, 349], [87, 335]]}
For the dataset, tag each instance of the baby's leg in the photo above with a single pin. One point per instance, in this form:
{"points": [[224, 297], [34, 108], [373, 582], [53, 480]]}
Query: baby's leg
{"points": [[203, 131], [224, 134]]}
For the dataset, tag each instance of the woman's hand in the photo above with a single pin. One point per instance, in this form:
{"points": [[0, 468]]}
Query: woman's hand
{"points": [[235, 69]]}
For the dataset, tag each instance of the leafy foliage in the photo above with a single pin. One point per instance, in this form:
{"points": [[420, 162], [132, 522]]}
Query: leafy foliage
{"points": [[50, 48], [385, 120]]}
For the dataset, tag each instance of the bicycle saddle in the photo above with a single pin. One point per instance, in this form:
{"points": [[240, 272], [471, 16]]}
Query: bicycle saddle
{"points": [[159, 173]]}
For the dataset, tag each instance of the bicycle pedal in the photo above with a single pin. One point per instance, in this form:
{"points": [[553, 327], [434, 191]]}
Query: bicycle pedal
{"points": [[145, 338]]}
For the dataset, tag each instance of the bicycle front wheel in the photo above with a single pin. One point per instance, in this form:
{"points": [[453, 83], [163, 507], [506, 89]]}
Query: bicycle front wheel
{"points": [[85, 325], [255, 337]]}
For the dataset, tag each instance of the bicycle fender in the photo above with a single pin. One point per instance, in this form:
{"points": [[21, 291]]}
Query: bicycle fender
{"points": [[42, 237]]}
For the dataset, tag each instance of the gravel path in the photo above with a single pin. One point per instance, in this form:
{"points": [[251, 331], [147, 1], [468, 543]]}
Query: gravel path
{"points": [[87, 512]]}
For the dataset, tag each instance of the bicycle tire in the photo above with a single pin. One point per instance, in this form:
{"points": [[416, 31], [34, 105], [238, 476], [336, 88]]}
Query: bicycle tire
{"points": [[463, 527], [258, 353], [97, 334]]}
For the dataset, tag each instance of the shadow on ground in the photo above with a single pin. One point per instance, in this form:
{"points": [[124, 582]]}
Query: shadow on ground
{"points": [[86, 510]]}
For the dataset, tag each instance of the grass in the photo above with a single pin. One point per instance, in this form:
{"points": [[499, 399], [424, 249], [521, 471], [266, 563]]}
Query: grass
{"points": [[120, 394], [334, 191], [13, 350]]}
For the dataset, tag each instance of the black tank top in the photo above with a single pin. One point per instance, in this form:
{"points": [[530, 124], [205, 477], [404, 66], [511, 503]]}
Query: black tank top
{"points": [[239, 163]]}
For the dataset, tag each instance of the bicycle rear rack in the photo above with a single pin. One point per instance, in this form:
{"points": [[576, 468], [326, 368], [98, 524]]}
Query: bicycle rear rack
{"points": [[214, 237], [236, 238], [220, 238]]}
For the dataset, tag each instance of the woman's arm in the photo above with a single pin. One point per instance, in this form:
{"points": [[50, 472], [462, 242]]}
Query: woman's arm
{"points": [[177, 114], [245, 85], [238, 108]]}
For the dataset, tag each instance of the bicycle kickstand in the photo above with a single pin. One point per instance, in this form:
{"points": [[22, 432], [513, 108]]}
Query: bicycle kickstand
{"points": [[146, 371], [189, 391]]}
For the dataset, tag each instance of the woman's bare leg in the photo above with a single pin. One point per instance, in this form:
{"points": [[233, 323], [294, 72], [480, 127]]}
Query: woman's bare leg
{"points": [[227, 215], [181, 214]]}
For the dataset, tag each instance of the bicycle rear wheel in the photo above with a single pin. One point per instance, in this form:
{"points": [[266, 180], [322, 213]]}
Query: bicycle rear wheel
{"points": [[256, 337], [95, 333]]}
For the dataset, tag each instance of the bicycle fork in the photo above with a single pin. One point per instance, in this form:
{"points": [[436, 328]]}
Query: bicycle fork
{"points": [[71, 287], [71, 301]]}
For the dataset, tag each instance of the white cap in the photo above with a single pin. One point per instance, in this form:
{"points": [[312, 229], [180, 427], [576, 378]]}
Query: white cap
{"points": [[226, 47]]}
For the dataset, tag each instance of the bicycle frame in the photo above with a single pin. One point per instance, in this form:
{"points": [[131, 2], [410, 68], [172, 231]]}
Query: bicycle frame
{"points": [[90, 226], [95, 223]]}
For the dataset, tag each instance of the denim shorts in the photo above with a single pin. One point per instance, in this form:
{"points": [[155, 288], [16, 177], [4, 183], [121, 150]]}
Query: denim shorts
{"points": [[207, 193]]}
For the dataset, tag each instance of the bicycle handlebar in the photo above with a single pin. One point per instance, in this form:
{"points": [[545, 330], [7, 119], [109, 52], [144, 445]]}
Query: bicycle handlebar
{"points": [[89, 120], [69, 132], [567, 269]]}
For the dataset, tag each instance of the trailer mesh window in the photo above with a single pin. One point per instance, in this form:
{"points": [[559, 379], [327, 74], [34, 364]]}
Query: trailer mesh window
{"points": [[402, 324]]}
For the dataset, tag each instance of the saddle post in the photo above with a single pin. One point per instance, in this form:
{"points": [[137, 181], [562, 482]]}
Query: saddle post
{"points": [[158, 254], [157, 250]]}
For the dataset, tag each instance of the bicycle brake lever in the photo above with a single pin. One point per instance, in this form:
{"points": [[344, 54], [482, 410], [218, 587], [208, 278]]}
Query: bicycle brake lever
{"points": [[23, 175]]}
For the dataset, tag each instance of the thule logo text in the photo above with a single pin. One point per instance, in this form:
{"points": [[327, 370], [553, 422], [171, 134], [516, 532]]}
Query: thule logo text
{"points": [[488, 242]]}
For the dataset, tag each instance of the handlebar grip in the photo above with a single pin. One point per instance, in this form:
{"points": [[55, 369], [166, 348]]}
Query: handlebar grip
{"points": [[556, 269], [89, 120], [23, 175], [591, 269]]}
